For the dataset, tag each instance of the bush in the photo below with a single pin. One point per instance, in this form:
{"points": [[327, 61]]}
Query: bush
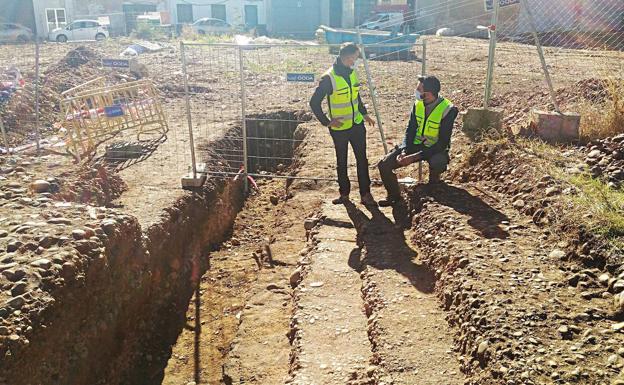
{"points": [[605, 118], [148, 32]]}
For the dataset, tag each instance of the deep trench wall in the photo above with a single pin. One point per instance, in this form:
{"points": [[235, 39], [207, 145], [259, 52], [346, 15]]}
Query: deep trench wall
{"points": [[115, 321], [271, 140]]}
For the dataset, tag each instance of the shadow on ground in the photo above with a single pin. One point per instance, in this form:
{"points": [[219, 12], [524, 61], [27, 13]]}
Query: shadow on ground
{"points": [[383, 246], [483, 218]]}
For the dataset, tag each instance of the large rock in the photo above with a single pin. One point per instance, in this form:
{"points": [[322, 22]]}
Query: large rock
{"points": [[40, 186]]}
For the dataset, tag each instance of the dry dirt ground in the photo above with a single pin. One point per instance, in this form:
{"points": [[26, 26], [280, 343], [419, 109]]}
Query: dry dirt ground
{"points": [[458, 286]]}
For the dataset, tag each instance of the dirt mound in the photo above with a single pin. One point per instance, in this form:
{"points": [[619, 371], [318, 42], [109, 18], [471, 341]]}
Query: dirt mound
{"points": [[19, 112], [19, 115], [78, 66], [80, 56]]}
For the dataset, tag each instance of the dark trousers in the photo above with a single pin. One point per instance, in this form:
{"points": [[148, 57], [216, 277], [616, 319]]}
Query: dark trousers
{"points": [[356, 135], [437, 163]]}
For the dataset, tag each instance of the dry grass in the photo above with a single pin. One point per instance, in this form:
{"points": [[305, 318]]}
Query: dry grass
{"points": [[606, 118], [189, 34]]}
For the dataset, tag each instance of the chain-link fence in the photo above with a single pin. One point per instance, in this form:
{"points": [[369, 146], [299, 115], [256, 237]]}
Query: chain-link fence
{"points": [[583, 44]]}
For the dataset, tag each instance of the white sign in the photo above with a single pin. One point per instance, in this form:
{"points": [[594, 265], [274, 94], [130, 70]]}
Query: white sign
{"points": [[489, 4]]}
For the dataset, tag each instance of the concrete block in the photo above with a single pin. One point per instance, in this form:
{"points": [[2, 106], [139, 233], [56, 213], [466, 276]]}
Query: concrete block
{"points": [[477, 121], [555, 127], [190, 180]]}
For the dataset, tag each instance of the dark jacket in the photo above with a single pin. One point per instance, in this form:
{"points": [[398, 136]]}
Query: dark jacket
{"points": [[325, 89], [444, 139]]}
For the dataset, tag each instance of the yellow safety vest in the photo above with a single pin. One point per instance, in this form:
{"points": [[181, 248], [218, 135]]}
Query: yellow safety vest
{"points": [[429, 133], [344, 100]]}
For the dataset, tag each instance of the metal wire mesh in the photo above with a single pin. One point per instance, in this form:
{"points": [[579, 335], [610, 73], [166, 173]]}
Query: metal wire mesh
{"points": [[214, 105], [584, 42]]}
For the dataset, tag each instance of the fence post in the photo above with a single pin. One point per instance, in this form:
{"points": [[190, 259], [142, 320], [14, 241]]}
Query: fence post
{"points": [[424, 58], [243, 112], [4, 136], [37, 93], [371, 86], [424, 73], [492, 53], [188, 109], [540, 51]]}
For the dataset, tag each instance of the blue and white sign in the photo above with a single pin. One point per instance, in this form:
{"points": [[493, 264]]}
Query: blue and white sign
{"points": [[489, 4], [116, 63], [307, 78]]}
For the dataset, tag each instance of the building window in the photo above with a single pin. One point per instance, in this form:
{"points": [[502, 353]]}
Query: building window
{"points": [[55, 18], [217, 11]]}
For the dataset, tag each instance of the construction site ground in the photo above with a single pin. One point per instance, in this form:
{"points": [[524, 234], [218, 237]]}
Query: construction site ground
{"points": [[458, 285]]}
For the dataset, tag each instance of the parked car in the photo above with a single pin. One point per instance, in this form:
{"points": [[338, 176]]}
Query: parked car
{"points": [[384, 21], [209, 25], [80, 30], [15, 33]]}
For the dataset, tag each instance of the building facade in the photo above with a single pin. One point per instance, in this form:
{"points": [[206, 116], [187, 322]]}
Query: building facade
{"points": [[249, 13]]}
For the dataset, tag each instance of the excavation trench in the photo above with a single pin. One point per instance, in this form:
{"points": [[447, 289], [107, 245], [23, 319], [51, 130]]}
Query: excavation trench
{"points": [[272, 141], [116, 320]]}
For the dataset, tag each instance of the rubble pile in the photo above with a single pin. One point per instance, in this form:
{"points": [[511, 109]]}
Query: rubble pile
{"points": [[606, 159]]}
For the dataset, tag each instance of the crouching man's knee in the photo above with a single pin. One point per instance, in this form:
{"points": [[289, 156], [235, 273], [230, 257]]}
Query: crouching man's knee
{"points": [[439, 162], [386, 164]]}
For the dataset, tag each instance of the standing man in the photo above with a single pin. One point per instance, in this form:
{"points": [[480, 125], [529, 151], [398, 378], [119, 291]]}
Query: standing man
{"points": [[428, 137], [340, 85]]}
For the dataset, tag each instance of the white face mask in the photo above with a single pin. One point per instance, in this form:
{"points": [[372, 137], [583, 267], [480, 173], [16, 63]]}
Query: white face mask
{"points": [[418, 96]]}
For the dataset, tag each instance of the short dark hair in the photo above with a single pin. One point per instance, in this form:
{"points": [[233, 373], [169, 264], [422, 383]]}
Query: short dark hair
{"points": [[349, 49], [430, 84]]}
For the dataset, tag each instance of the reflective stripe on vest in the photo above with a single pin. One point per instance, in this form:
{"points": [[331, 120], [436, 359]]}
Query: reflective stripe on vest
{"points": [[430, 133], [344, 100]]}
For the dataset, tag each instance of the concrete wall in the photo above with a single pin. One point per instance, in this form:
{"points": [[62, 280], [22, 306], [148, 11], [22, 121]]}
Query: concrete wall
{"points": [[462, 18], [554, 15], [308, 20], [325, 12]]}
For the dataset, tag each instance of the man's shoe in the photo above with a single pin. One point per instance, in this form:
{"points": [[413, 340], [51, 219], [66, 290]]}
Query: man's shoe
{"points": [[368, 200], [341, 200], [389, 201]]}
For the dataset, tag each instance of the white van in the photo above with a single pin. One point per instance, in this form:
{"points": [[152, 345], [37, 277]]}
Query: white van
{"points": [[386, 21]]}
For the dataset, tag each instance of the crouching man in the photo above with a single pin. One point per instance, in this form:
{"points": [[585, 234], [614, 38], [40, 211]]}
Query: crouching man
{"points": [[428, 138]]}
